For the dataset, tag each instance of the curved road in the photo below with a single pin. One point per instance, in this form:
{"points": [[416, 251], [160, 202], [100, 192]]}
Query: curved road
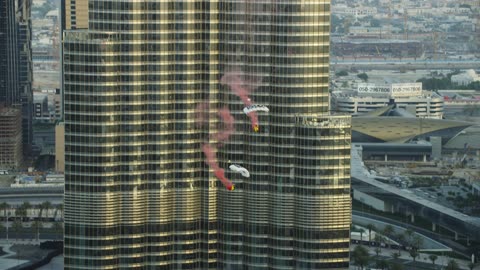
{"points": [[446, 240]]}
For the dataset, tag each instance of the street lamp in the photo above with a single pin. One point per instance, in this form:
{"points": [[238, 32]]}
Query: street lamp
{"points": [[8, 214]]}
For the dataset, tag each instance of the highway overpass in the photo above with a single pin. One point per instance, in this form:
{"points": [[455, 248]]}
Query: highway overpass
{"points": [[409, 204]]}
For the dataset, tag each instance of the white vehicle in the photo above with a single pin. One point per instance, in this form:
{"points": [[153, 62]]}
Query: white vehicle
{"points": [[255, 108], [239, 169]]}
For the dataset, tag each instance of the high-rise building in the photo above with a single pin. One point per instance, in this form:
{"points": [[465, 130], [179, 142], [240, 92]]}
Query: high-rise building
{"points": [[8, 53], [10, 137], [74, 14], [16, 62], [138, 193]]}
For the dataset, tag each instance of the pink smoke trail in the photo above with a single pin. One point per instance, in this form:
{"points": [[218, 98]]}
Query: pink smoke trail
{"points": [[228, 121], [201, 115], [211, 161], [236, 84]]}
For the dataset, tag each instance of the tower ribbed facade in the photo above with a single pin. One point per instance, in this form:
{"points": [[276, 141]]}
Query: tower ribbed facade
{"points": [[138, 193]]}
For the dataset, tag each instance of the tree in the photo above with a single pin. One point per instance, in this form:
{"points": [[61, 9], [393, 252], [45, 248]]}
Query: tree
{"points": [[341, 73], [370, 228], [452, 265], [471, 265], [20, 213], [58, 227], [409, 233], [396, 255], [37, 225], [46, 206], [24, 209], [4, 206], [60, 208], [378, 238], [417, 242], [413, 253], [433, 258], [396, 266], [388, 230], [401, 237], [381, 264], [360, 256], [17, 227], [363, 77], [361, 231], [378, 251]]}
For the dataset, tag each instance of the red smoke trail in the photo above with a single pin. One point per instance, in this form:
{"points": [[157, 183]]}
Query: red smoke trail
{"points": [[236, 84], [201, 114], [229, 121], [212, 162]]}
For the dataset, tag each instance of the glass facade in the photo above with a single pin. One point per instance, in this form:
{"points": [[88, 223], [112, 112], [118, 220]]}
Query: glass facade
{"points": [[16, 62], [138, 193]]}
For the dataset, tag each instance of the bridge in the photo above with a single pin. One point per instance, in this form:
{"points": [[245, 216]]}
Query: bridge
{"points": [[395, 64], [411, 205]]}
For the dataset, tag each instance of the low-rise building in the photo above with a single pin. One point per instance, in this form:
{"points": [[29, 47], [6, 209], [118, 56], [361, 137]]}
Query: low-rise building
{"points": [[370, 97], [466, 78]]}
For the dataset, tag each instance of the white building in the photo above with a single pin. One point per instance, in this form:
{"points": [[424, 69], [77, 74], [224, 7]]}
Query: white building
{"points": [[369, 97], [465, 78]]}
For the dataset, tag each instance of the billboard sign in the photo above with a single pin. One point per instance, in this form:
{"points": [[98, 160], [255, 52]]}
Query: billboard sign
{"points": [[406, 89], [370, 88]]}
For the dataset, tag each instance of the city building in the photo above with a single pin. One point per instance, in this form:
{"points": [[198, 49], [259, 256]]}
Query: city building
{"points": [[10, 137], [465, 78], [40, 106], [138, 193], [403, 129], [16, 62], [368, 48], [407, 96], [74, 14]]}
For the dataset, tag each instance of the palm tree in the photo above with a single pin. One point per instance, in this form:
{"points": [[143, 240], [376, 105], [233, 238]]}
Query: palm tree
{"points": [[396, 255], [388, 230], [370, 228], [46, 206], [58, 227], [37, 225], [381, 264], [20, 213], [360, 256], [361, 230], [378, 238], [17, 227], [401, 238], [433, 258], [452, 265], [408, 235], [25, 207], [378, 251], [413, 253], [60, 208], [5, 207], [396, 266]]}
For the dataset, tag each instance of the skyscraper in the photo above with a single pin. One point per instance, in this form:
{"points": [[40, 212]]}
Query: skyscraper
{"points": [[16, 62], [138, 192]]}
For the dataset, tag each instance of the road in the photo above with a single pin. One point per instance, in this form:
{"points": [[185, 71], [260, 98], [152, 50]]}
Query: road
{"points": [[408, 64], [423, 257]]}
